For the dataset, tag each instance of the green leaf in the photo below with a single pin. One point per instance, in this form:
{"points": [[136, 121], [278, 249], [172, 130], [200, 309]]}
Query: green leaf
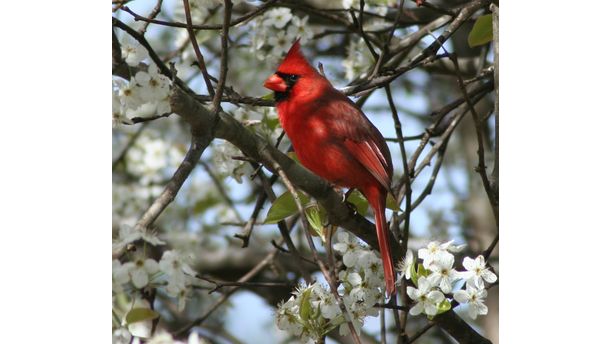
{"points": [[269, 96], [357, 199], [205, 203], [422, 272], [284, 206], [482, 32], [392, 203], [414, 276], [140, 314], [444, 306], [317, 218], [271, 123], [361, 203], [305, 307]]}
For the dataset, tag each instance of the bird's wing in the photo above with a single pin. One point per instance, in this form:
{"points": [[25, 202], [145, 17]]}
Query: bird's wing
{"points": [[361, 138]]}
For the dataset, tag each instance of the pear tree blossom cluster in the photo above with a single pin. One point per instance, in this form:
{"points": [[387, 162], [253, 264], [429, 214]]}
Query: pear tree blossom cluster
{"points": [[135, 271], [313, 311], [275, 31], [147, 92], [436, 278]]}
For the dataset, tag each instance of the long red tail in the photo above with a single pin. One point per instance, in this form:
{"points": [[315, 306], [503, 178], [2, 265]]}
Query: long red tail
{"points": [[377, 200]]}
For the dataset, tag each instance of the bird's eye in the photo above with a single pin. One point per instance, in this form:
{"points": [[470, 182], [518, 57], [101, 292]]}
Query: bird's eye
{"points": [[293, 77]]}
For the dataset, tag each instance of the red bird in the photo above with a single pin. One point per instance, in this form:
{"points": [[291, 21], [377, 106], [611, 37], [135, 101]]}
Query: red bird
{"points": [[334, 139]]}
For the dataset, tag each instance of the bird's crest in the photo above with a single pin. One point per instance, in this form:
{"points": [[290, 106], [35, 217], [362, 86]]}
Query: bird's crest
{"points": [[295, 62]]}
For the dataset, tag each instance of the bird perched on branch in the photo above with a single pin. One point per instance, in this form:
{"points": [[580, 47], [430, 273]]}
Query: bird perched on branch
{"points": [[334, 139]]}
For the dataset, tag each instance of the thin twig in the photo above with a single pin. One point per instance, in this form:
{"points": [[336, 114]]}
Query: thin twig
{"points": [[196, 48], [487, 253], [482, 168], [221, 284], [227, 17], [432, 179], [398, 132], [156, 10]]}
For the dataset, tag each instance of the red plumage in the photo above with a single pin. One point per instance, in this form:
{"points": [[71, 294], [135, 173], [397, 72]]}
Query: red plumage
{"points": [[334, 139]]}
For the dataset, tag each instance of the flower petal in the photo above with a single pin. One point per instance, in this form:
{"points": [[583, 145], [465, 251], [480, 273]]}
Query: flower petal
{"points": [[435, 296], [461, 296], [412, 293], [140, 278], [489, 276], [416, 309], [431, 309]]}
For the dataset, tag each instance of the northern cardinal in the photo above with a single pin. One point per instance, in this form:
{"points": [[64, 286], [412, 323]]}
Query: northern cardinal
{"points": [[334, 139]]}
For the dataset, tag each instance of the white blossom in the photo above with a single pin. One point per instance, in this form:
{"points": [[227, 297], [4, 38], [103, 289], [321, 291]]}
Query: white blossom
{"points": [[287, 317], [474, 297], [436, 251], [299, 28], [280, 43], [156, 85], [121, 276], [118, 108], [349, 248], [130, 95], [443, 274], [131, 51], [329, 306], [278, 17], [371, 264], [406, 265], [177, 272], [477, 271], [427, 299], [129, 234], [139, 270]]}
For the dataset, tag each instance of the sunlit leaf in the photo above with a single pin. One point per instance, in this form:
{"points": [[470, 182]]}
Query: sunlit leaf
{"points": [[317, 217], [357, 199], [284, 206], [140, 314], [482, 32], [269, 96]]}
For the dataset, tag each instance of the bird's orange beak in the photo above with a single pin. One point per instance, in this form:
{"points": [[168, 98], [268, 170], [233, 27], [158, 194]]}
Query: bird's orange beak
{"points": [[275, 83]]}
